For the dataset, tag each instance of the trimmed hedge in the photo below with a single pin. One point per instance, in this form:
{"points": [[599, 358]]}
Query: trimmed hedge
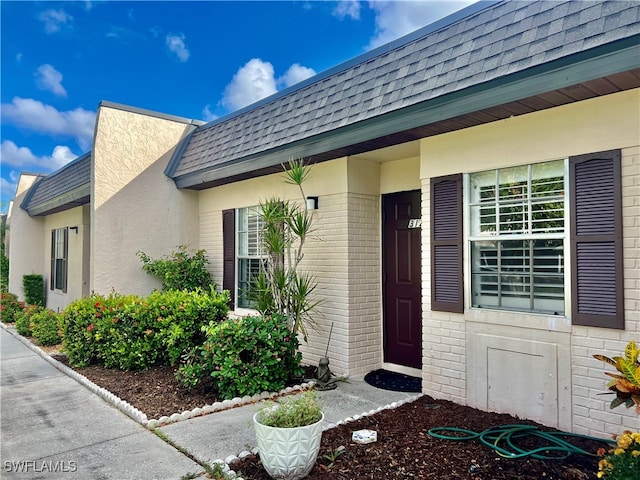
{"points": [[133, 333], [33, 286]]}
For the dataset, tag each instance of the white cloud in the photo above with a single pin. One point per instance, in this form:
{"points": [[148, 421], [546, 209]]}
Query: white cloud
{"points": [[22, 158], [62, 155], [7, 186], [207, 114], [256, 80], [252, 82], [34, 115], [176, 45], [296, 74], [347, 8], [48, 78], [116, 32], [395, 19], [54, 20]]}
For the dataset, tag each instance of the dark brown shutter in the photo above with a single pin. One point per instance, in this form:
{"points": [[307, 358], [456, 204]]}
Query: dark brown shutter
{"points": [[596, 240], [446, 244], [53, 260], [65, 261], [229, 253]]}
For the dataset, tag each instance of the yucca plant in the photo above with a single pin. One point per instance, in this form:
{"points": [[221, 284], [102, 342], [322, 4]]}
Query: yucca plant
{"points": [[280, 288], [626, 383]]}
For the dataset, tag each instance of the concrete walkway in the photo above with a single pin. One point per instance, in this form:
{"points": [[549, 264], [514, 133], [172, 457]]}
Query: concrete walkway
{"points": [[53, 427]]}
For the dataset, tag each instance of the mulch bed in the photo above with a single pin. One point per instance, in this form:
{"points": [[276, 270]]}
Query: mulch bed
{"points": [[404, 449], [155, 391]]}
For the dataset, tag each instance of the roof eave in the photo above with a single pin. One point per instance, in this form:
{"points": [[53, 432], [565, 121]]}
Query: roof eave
{"points": [[74, 198], [609, 59]]}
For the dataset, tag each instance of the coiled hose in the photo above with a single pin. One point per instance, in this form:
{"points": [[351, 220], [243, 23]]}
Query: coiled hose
{"points": [[503, 439]]}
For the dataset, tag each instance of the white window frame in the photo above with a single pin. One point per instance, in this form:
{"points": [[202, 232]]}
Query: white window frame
{"points": [[469, 239], [248, 248], [60, 260]]}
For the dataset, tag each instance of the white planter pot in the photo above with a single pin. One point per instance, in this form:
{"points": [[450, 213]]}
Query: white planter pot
{"points": [[288, 453]]}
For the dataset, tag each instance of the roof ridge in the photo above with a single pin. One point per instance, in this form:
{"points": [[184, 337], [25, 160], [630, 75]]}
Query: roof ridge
{"points": [[76, 160], [429, 29], [150, 113]]}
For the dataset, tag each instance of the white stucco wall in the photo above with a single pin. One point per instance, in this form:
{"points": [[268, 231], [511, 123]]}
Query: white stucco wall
{"points": [[26, 257], [536, 366], [136, 207]]}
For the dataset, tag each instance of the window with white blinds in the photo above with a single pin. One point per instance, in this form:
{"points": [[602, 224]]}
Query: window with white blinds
{"points": [[517, 237], [59, 253], [249, 225]]}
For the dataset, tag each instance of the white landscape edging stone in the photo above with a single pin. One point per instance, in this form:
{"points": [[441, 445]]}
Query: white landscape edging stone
{"points": [[225, 405], [136, 414], [141, 418], [106, 395]]}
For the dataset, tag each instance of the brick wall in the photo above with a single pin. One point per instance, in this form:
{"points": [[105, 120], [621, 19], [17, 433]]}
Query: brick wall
{"points": [[365, 323], [591, 413], [326, 255], [344, 254], [211, 241], [443, 334]]}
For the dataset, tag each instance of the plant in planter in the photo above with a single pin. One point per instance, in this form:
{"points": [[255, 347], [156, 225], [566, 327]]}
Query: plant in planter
{"points": [[288, 435]]}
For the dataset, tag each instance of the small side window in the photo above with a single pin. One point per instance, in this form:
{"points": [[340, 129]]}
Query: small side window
{"points": [[59, 261]]}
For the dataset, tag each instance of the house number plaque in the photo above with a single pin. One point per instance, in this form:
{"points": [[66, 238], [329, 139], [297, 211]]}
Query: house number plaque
{"points": [[415, 223]]}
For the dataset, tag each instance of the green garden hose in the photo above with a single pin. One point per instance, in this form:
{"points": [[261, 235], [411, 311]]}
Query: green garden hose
{"points": [[503, 440]]}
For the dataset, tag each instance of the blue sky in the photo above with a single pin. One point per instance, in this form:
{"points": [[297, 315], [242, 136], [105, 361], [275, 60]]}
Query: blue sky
{"points": [[198, 60]]}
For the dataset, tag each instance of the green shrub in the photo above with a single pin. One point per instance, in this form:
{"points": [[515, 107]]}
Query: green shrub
{"points": [[180, 270], [181, 316], [33, 286], [10, 307], [78, 322], [132, 333], [244, 356], [45, 327], [23, 319]]}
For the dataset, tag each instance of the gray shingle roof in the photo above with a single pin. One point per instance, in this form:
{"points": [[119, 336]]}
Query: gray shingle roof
{"points": [[484, 42], [66, 188]]}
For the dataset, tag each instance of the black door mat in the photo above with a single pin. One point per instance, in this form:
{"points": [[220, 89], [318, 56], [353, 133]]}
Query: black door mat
{"points": [[396, 382]]}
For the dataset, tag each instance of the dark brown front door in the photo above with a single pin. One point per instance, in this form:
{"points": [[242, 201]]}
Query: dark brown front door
{"points": [[401, 275]]}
